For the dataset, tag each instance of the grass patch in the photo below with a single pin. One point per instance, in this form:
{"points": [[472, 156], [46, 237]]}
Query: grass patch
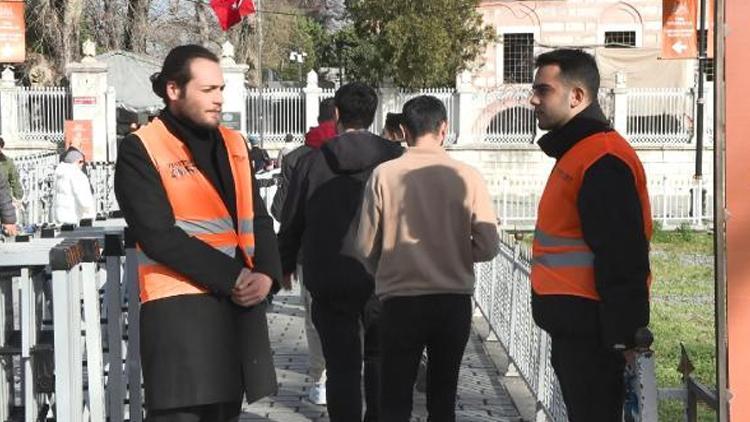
{"points": [[683, 311]]}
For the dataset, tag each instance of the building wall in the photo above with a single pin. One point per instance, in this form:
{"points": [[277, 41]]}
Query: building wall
{"points": [[560, 23], [523, 162]]}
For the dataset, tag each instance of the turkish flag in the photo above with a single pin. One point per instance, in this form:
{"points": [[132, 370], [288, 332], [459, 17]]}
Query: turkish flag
{"points": [[230, 12]]}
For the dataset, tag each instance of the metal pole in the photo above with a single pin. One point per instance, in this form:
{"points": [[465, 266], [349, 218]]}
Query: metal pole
{"points": [[699, 110], [261, 117], [720, 241]]}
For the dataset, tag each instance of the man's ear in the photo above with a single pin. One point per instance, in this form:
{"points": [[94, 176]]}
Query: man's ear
{"points": [[407, 135], [173, 90], [577, 96], [443, 132]]}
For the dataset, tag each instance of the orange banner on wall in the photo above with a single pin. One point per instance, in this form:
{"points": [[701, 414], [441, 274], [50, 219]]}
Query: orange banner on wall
{"points": [[80, 135], [12, 31], [679, 39]]}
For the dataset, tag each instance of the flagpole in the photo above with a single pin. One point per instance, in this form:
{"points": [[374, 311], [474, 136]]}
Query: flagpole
{"points": [[261, 115], [702, 40]]}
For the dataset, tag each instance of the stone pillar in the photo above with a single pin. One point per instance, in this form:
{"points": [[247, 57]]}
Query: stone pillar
{"points": [[235, 94], [9, 108], [111, 105], [466, 101], [312, 92], [621, 104], [88, 87], [388, 103]]}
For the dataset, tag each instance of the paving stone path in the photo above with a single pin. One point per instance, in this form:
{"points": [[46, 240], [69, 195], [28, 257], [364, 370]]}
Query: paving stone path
{"points": [[481, 396]]}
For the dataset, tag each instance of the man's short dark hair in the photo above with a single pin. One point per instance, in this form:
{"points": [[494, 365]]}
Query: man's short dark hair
{"points": [[176, 68], [327, 110], [424, 114], [356, 103], [393, 122], [575, 66]]}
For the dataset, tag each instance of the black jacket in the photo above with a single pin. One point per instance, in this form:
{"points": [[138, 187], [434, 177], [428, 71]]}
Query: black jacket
{"points": [[197, 349], [288, 167], [612, 224], [320, 214]]}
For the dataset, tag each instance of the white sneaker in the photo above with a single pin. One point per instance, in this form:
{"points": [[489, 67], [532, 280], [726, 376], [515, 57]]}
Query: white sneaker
{"points": [[317, 394]]}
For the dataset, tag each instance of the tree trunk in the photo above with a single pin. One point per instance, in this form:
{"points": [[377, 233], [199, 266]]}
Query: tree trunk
{"points": [[136, 25], [71, 31], [202, 21], [55, 27], [110, 26]]}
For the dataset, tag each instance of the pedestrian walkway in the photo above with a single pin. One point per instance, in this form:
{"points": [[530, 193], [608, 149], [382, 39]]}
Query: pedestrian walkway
{"points": [[481, 397]]}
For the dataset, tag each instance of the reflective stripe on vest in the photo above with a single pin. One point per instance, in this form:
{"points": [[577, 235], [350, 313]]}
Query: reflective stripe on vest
{"points": [[562, 262], [198, 208]]}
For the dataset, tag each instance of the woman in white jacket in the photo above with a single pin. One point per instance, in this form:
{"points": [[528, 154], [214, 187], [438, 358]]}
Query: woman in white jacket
{"points": [[72, 199]]}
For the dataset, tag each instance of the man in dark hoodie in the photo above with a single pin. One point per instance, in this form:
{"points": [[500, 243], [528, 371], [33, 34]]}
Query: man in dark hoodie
{"points": [[590, 271], [316, 137], [322, 205]]}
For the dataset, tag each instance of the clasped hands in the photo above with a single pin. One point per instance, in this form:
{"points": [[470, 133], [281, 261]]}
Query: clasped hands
{"points": [[251, 288]]}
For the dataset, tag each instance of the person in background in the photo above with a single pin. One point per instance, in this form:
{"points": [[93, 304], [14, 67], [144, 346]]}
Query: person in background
{"points": [[72, 198], [286, 149], [261, 159], [326, 128], [7, 210], [393, 130], [8, 169]]}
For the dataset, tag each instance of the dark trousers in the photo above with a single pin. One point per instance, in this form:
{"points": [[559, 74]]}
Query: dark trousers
{"points": [[441, 323], [342, 348], [591, 379], [219, 412]]}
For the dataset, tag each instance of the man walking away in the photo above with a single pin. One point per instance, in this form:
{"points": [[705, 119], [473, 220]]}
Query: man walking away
{"points": [[426, 219], [590, 271], [323, 202], [314, 138]]}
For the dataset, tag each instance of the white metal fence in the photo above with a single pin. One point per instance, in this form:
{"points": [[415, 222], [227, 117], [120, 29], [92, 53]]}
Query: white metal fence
{"points": [[673, 201], [660, 116], [502, 293], [507, 117], [445, 95], [276, 113], [42, 113], [657, 116], [36, 173], [102, 177]]}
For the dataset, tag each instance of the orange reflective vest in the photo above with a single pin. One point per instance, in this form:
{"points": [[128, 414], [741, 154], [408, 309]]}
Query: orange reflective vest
{"points": [[198, 208], [562, 263]]}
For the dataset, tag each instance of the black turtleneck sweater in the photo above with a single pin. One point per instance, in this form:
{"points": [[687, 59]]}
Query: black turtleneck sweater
{"points": [[144, 203], [612, 222]]}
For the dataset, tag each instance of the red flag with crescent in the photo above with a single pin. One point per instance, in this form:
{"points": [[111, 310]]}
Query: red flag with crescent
{"points": [[230, 12]]}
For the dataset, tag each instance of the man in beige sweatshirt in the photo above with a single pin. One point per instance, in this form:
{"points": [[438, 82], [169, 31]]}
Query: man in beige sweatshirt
{"points": [[426, 219]]}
